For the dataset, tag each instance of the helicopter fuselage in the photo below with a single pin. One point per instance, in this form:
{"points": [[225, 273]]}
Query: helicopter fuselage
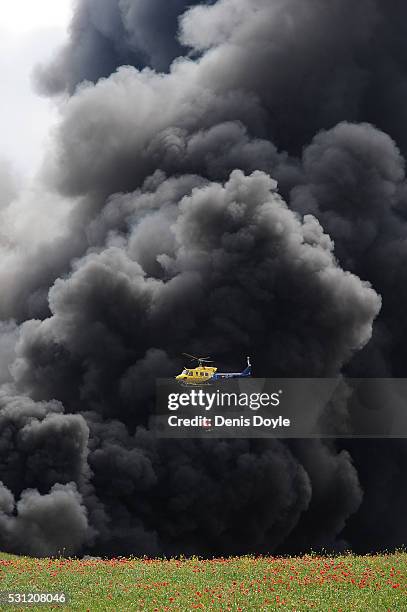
{"points": [[197, 376]]}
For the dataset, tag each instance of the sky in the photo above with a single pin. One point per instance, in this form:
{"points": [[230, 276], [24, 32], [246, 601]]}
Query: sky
{"points": [[30, 32]]}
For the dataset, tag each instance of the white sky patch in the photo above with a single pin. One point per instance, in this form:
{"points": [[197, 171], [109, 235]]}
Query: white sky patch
{"points": [[24, 16], [31, 31]]}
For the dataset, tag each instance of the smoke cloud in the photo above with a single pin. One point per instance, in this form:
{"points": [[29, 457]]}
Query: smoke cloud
{"points": [[226, 178], [106, 34], [348, 62]]}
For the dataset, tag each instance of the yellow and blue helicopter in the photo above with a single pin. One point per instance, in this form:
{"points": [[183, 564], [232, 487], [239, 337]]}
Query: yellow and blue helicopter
{"points": [[204, 373]]}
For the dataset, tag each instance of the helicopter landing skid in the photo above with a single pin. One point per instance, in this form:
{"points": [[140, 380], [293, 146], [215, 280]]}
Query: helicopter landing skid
{"points": [[203, 384]]}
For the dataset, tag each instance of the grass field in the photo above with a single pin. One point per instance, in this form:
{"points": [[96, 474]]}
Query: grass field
{"points": [[346, 583]]}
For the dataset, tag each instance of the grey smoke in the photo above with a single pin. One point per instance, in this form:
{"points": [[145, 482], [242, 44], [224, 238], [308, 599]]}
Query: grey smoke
{"points": [[347, 61], [239, 200], [44, 525], [106, 34]]}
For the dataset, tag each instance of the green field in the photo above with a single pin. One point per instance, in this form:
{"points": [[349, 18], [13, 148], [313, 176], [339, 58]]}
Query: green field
{"points": [[346, 583]]}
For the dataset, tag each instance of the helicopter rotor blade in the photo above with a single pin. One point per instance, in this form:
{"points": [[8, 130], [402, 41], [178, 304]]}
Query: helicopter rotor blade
{"points": [[190, 356], [197, 358]]}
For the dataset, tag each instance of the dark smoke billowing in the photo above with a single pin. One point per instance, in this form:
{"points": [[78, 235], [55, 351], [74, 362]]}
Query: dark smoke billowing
{"points": [[217, 185]]}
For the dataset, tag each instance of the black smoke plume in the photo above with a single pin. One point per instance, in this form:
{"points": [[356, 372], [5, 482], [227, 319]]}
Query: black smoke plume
{"points": [[227, 178], [106, 34]]}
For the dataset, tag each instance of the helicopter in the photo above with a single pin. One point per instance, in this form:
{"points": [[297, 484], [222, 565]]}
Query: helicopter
{"points": [[203, 373]]}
